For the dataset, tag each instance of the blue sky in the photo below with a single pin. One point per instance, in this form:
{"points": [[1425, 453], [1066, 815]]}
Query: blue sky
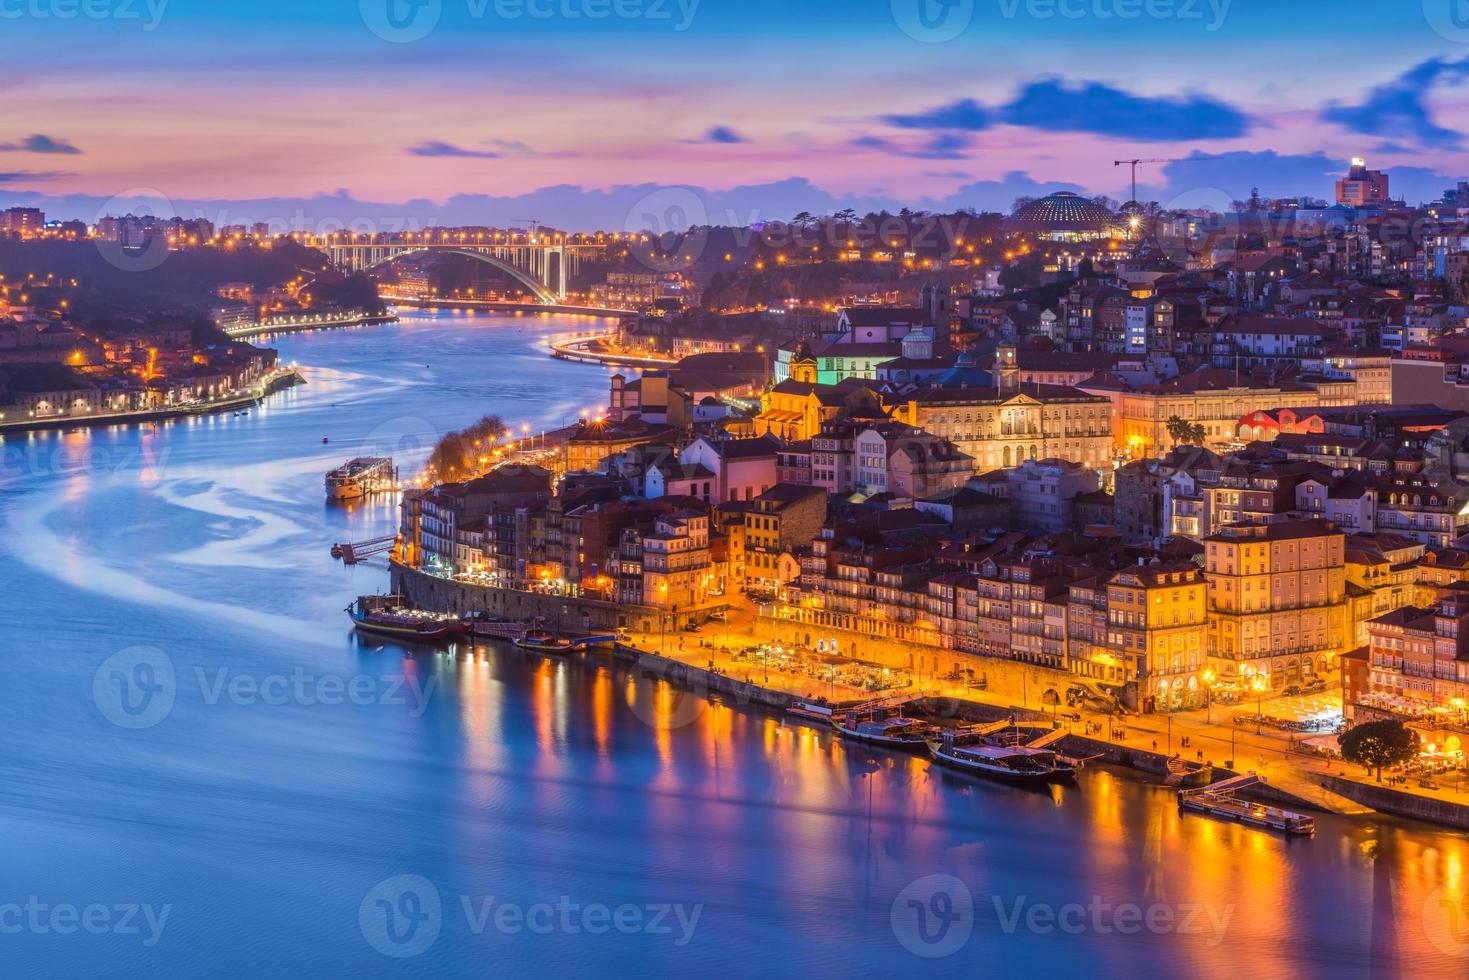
{"points": [[474, 110]]}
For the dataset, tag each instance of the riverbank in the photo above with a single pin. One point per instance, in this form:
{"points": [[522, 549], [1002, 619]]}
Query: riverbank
{"points": [[712, 662], [277, 380], [498, 306], [300, 324], [577, 350]]}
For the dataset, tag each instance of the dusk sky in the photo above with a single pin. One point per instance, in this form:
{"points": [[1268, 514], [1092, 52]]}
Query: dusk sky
{"points": [[337, 110]]}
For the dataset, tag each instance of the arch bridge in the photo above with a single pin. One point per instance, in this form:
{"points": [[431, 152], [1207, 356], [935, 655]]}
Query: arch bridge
{"points": [[544, 268]]}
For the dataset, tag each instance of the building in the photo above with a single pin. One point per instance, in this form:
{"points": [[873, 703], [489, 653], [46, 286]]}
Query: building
{"points": [[22, 221], [1215, 398], [1158, 625], [1063, 217], [433, 519], [908, 463], [1418, 662], [743, 469], [668, 567], [1277, 599], [795, 411], [1362, 188], [593, 442], [784, 518], [1004, 425], [1042, 493]]}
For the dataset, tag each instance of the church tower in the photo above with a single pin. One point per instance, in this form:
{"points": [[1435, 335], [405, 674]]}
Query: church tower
{"points": [[1007, 370]]}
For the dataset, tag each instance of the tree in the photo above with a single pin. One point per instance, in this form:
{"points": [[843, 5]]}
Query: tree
{"points": [[1379, 743], [1184, 432], [465, 454]]}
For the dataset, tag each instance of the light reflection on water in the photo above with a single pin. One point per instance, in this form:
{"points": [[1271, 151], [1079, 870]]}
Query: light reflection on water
{"points": [[526, 778]]}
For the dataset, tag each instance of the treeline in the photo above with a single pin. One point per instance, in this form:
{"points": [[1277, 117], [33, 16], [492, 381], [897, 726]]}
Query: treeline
{"points": [[98, 280], [458, 455]]}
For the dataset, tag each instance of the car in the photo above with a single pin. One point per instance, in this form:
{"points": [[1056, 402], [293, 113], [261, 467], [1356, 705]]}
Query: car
{"points": [[1292, 690]]}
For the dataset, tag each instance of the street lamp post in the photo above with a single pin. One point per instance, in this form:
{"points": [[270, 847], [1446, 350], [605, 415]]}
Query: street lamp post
{"points": [[1208, 697], [1259, 685]]}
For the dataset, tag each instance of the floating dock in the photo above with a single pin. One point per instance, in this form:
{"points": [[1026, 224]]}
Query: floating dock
{"points": [[1218, 800]]}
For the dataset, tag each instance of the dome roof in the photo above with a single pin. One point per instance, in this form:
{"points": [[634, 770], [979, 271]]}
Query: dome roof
{"points": [[1062, 211]]}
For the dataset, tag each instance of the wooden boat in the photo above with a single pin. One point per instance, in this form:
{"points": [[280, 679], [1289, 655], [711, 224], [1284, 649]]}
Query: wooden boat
{"points": [[1012, 763], [388, 616], [539, 641], [903, 734], [494, 627], [1189, 775]]}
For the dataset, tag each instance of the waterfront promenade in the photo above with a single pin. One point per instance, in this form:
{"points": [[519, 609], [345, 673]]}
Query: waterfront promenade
{"points": [[298, 323], [252, 394], [1145, 742], [580, 348], [769, 655]]}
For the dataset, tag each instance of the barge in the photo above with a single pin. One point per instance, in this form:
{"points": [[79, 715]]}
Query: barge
{"points": [[1218, 800], [361, 476]]}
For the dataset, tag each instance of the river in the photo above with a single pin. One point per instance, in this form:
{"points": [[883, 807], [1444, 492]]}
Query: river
{"points": [[206, 773]]}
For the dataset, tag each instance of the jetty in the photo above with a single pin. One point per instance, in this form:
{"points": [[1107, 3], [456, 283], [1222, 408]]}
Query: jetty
{"points": [[1218, 800]]}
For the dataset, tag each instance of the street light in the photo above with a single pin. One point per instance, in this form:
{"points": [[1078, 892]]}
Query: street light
{"points": [[1258, 686], [1208, 697]]}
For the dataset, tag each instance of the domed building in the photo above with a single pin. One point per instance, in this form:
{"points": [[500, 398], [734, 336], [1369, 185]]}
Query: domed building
{"points": [[1063, 217]]}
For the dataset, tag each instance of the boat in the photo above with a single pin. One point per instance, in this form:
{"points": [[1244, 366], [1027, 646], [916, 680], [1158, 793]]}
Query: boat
{"points": [[539, 641], [1218, 800], [494, 627], [1189, 775], [360, 477], [811, 711], [389, 616], [904, 734], [1013, 763]]}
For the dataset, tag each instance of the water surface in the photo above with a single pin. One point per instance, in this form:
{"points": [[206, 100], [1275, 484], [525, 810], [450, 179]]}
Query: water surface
{"points": [[286, 776]]}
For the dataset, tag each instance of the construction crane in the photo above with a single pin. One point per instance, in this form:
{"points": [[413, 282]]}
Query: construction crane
{"points": [[534, 224], [1134, 163]]}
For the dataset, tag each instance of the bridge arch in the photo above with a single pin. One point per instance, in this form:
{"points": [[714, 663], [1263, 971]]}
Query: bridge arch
{"points": [[540, 290]]}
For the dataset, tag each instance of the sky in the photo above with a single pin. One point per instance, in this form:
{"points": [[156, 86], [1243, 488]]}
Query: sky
{"points": [[620, 114]]}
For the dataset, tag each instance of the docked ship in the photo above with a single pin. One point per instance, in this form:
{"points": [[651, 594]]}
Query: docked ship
{"points": [[539, 641], [1012, 763], [903, 734], [486, 626], [388, 616], [359, 477]]}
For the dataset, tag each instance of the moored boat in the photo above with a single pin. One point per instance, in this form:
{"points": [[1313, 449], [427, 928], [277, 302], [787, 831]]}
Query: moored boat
{"points": [[904, 734], [388, 616], [494, 627], [1014, 763], [539, 641], [359, 477]]}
